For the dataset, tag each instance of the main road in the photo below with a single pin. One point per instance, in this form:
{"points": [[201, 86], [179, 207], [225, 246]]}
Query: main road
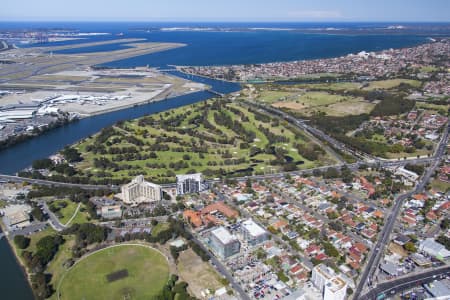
{"points": [[396, 286], [378, 251]]}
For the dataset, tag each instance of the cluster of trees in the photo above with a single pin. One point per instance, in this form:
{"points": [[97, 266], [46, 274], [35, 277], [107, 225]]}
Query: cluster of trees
{"points": [[223, 119], [71, 154], [175, 251], [309, 151], [48, 164], [174, 290], [330, 250], [105, 134], [418, 169], [272, 137], [86, 234], [444, 241], [392, 105], [21, 241], [260, 116]]}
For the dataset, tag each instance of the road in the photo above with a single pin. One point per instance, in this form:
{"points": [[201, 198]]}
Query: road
{"points": [[378, 251], [222, 269], [10, 178], [398, 285], [35, 226], [314, 131], [53, 220]]}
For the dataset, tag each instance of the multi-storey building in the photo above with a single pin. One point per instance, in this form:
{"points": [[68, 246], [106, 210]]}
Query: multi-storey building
{"points": [[330, 284], [223, 243], [253, 233], [140, 191], [189, 184]]}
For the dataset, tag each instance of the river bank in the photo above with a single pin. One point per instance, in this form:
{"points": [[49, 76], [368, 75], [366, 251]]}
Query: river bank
{"points": [[13, 271]]}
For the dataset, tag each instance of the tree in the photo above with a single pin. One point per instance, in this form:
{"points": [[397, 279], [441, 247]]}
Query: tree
{"points": [[409, 246], [22, 242], [37, 214], [330, 250], [445, 224]]}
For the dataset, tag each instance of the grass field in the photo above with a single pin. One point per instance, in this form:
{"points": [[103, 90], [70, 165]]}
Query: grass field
{"points": [[148, 271], [440, 185], [66, 211], [312, 102], [207, 137], [56, 266], [391, 83], [160, 227]]}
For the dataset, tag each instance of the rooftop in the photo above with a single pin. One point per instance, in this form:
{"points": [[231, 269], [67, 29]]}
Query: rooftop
{"points": [[253, 228], [223, 235]]}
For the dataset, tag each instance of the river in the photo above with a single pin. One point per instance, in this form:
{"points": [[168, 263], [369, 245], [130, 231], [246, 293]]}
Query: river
{"points": [[13, 284]]}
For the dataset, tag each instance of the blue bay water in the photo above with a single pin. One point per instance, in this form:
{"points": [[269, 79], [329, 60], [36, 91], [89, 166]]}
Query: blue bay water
{"points": [[203, 48]]}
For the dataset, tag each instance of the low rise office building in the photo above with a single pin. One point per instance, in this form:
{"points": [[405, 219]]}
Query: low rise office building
{"points": [[110, 212]]}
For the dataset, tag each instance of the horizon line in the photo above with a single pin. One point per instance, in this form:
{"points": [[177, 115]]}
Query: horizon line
{"points": [[223, 21]]}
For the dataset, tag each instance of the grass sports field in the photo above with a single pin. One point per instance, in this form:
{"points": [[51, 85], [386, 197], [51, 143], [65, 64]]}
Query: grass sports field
{"points": [[147, 272]]}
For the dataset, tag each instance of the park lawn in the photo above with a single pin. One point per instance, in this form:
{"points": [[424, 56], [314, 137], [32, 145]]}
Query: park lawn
{"points": [[148, 272], [270, 96], [82, 216], [159, 227], [35, 237], [66, 213], [336, 86], [353, 106], [314, 99], [433, 108], [56, 266], [420, 152], [391, 83], [440, 185], [428, 69], [379, 138]]}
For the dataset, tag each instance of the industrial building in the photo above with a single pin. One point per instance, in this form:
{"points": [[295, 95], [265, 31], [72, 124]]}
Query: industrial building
{"points": [[434, 249], [253, 233], [190, 183], [223, 243], [330, 284], [140, 191]]}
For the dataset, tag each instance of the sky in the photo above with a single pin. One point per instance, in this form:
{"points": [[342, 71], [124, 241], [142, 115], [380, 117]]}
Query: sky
{"points": [[227, 10]]}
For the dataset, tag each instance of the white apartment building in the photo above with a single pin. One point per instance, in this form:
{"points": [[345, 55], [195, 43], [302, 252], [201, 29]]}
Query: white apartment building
{"points": [[140, 191], [190, 183], [330, 284]]}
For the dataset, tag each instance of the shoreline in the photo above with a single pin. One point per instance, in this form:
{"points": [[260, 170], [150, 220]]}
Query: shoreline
{"points": [[135, 104], [23, 268], [25, 137]]}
